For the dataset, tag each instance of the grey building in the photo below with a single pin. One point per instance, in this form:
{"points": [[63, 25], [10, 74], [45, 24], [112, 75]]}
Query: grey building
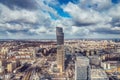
{"points": [[60, 36], [82, 68], [98, 74]]}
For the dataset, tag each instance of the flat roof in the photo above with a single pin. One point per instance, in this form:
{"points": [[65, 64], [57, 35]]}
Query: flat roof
{"points": [[98, 73]]}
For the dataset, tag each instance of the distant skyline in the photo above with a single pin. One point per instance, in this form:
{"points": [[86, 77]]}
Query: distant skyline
{"points": [[38, 19]]}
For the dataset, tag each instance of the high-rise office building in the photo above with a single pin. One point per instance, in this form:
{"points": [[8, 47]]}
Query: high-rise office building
{"points": [[60, 48], [82, 68]]}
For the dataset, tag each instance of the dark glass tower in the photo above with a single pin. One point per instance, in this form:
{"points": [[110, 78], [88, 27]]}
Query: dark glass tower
{"points": [[60, 36]]}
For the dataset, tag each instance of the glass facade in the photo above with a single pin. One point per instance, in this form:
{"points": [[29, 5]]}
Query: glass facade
{"points": [[59, 35]]}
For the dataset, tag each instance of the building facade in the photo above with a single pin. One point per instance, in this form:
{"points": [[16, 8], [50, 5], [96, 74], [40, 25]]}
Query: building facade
{"points": [[59, 36], [60, 48], [82, 68]]}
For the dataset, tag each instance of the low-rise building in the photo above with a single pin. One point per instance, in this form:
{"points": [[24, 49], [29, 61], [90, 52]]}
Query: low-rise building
{"points": [[98, 74]]}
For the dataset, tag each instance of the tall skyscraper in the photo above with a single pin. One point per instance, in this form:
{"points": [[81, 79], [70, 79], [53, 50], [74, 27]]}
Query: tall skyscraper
{"points": [[60, 48]]}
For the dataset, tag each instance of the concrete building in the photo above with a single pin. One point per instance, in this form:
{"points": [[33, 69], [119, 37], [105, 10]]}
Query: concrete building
{"points": [[60, 48], [95, 60], [82, 68], [34, 76], [4, 50], [11, 66], [105, 65], [117, 48], [2, 62], [98, 74], [1, 69]]}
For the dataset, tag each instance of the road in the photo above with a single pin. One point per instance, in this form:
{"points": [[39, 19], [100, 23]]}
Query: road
{"points": [[39, 62]]}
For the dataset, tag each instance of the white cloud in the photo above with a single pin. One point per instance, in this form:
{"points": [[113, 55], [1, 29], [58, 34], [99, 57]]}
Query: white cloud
{"points": [[40, 30], [82, 16], [93, 21], [116, 28], [115, 11], [52, 2], [96, 4], [79, 31], [22, 15], [46, 8], [21, 19]]}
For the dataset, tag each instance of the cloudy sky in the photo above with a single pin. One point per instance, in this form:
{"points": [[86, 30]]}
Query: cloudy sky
{"points": [[37, 19]]}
